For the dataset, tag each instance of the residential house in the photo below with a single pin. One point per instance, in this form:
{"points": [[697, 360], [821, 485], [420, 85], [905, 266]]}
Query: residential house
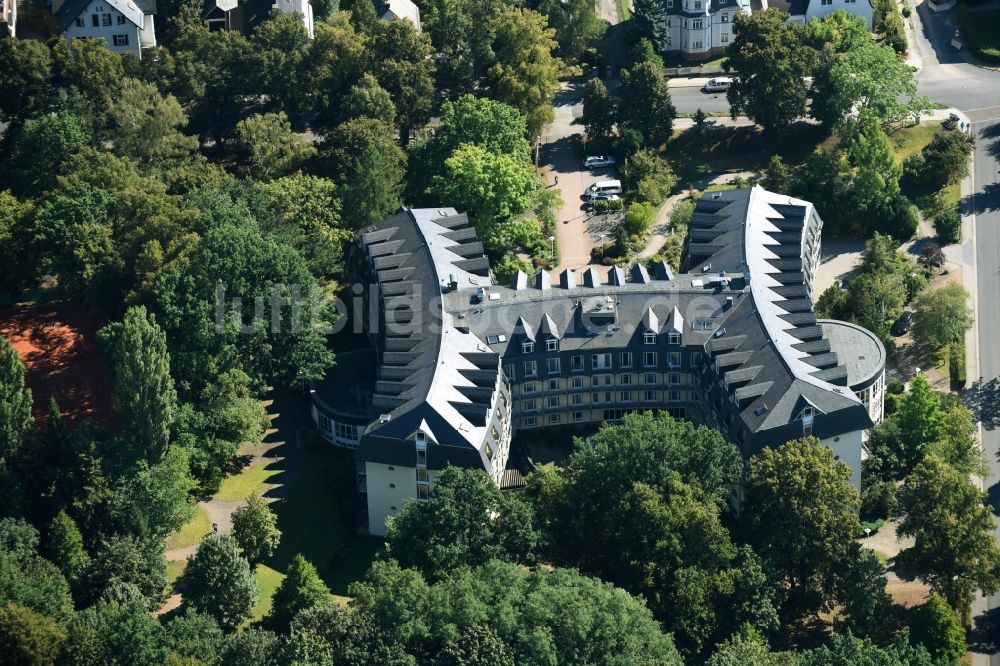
{"points": [[245, 16], [803, 11], [394, 10], [126, 26], [8, 18]]}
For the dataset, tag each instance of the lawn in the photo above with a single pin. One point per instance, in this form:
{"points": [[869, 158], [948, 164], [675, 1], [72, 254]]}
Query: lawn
{"points": [[174, 571], [267, 580], [191, 532], [907, 141], [319, 516], [697, 155], [254, 480]]}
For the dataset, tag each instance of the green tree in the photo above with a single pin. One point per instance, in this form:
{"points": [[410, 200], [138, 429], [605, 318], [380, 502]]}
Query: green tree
{"points": [[954, 550], [362, 157], [475, 646], [937, 628], [195, 636], [65, 548], [778, 176], [648, 177], [871, 77], [945, 160], [25, 79], [466, 521], [645, 105], [255, 529], [218, 581], [251, 647], [94, 69], [639, 218], [302, 588], [772, 63], [876, 300], [652, 21], [28, 579], [801, 516], [576, 25], [41, 148], [847, 650], [354, 638], [144, 394], [16, 421], [941, 316], [400, 58], [833, 303], [525, 74], [868, 607], [368, 99], [959, 446], [145, 126], [743, 648], [920, 421], [117, 631], [28, 638], [272, 147], [157, 499], [128, 561]]}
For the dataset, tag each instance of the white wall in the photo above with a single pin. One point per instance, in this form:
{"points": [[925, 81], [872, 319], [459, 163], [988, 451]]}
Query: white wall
{"points": [[847, 448], [862, 8], [135, 41], [382, 497]]}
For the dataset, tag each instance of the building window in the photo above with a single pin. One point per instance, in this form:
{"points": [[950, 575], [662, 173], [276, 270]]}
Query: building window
{"points": [[601, 361], [489, 452], [120, 19], [626, 359], [551, 345], [577, 382], [95, 20], [649, 378], [530, 421], [698, 24], [626, 379], [649, 396], [423, 492], [826, 3], [577, 417], [649, 338], [80, 23], [626, 396], [553, 385], [576, 363], [552, 366], [674, 338], [649, 359], [725, 38], [106, 19], [530, 387], [670, 4], [697, 4], [675, 396], [725, 18], [509, 371], [696, 45], [527, 347], [695, 359], [120, 40], [675, 359], [421, 456], [552, 401], [577, 399], [674, 379], [553, 419], [422, 476], [530, 405], [530, 369]]}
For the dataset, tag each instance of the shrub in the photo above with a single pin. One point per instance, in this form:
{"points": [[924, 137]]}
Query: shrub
{"points": [[907, 11], [639, 218], [948, 226]]}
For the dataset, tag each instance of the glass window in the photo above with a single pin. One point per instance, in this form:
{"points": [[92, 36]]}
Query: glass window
{"points": [[421, 456], [530, 387], [698, 25], [649, 338], [674, 378], [626, 359], [626, 379], [725, 18], [551, 345], [553, 385], [552, 401], [577, 382], [80, 22], [530, 421], [577, 399], [695, 359], [120, 19], [422, 475], [674, 338], [509, 371], [577, 417], [106, 19], [527, 347], [95, 20], [601, 361], [675, 359], [530, 369], [650, 396], [423, 491], [725, 38], [675, 396], [530, 405], [553, 419], [626, 396], [552, 365], [576, 363], [649, 359]]}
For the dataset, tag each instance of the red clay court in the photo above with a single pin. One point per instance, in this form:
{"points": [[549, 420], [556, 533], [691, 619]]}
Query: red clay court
{"points": [[58, 345]]}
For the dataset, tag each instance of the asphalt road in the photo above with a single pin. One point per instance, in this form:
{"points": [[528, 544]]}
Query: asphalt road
{"points": [[688, 99]]}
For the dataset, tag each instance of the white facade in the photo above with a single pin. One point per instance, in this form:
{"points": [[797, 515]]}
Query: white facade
{"points": [[847, 449], [700, 28], [120, 23], [817, 9], [301, 7]]}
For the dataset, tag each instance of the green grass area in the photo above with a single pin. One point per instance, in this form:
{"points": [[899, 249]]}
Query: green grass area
{"points": [[319, 517], [907, 141], [882, 557], [267, 580], [696, 155], [256, 479], [191, 532], [174, 571], [982, 32]]}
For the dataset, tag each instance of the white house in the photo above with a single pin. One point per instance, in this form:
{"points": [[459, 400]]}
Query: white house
{"points": [[123, 25], [8, 18], [394, 10], [803, 11]]}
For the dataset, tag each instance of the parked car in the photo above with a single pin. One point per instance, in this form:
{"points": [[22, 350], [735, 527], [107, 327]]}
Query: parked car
{"points": [[481, 295], [593, 161], [605, 187], [902, 325], [603, 196], [718, 84]]}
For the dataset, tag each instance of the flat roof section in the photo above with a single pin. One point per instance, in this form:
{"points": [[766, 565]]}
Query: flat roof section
{"points": [[347, 388], [858, 349]]}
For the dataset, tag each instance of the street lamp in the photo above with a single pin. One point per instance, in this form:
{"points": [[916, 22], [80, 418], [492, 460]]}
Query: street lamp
{"points": [[552, 245]]}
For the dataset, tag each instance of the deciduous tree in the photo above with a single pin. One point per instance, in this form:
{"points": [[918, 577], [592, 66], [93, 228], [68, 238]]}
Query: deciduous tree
{"points": [[218, 581], [255, 529], [272, 147], [302, 588], [645, 105], [941, 316]]}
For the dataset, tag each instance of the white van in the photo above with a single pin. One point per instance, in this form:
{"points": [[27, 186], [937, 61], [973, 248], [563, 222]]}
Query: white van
{"points": [[719, 84], [604, 187]]}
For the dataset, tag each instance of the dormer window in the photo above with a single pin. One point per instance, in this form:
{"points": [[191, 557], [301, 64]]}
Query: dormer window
{"points": [[552, 344], [527, 347], [649, 338], [807, 415], [674, 338]]}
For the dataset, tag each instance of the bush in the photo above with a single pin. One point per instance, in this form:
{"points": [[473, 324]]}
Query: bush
{"points": [[639, 218], [873, 525], [893, 33], [907, 11], [648, 177], [948, 226], [878, 500]]}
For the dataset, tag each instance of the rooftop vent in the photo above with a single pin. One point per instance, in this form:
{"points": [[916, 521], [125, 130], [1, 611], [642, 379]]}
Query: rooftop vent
{"points": [[716, 195], [719, 333], [706, 268], [729, 302], [760, 411], [371, 228], [384, 418]]}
